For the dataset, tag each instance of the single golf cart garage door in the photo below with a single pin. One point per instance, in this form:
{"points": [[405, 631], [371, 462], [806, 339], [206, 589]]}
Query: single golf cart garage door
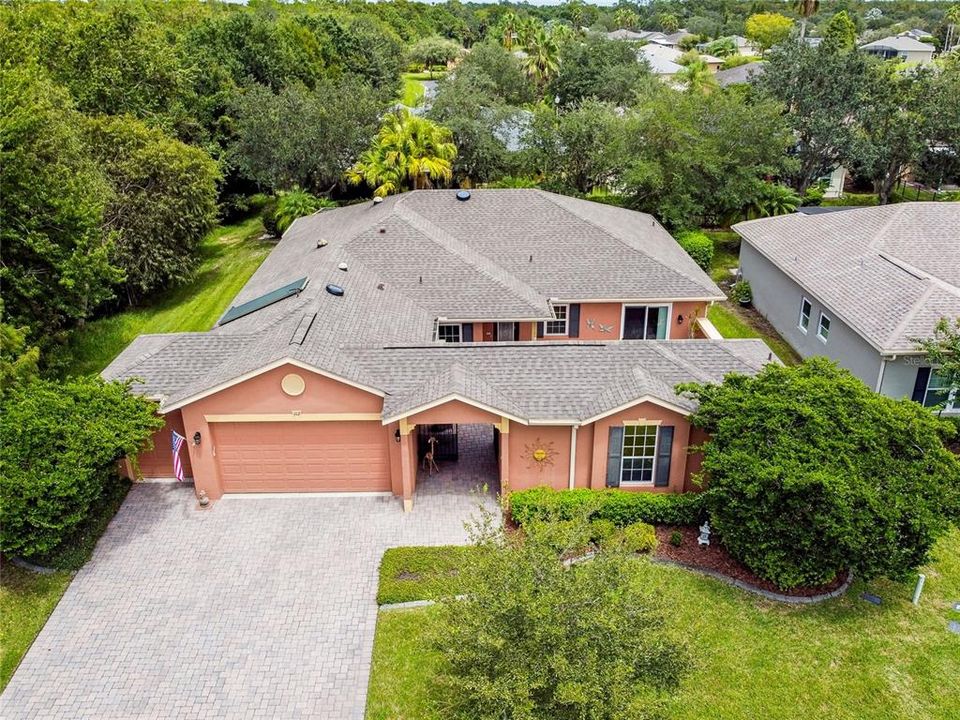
{"points": [[303, 456]]}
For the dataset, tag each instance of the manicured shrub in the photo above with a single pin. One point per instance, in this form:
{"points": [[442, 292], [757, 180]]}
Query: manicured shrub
{"points": [[676, 538], [618, 506], [601, 530], [699, 246], [59, 444], [811, 473], [639, 538]]}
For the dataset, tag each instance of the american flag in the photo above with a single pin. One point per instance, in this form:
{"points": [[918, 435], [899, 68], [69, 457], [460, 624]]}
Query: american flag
{"points": [[178, 441]]}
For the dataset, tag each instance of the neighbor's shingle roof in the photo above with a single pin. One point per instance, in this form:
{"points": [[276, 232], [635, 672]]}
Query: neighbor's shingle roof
{"points": [[888, 272], [902, 43], [741, 74]]}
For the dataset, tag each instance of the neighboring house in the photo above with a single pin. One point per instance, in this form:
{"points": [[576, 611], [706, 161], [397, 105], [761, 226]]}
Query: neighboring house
{"points": [[672, 40], [858, 286], [906, 49], [745, 47], [630, 35], [563, 324], [740, 75], [665, 61]]}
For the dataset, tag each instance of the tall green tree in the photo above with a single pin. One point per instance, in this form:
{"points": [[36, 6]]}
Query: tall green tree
{"points": [[599, 68], [768, 30], [56, 265], [841, 32], [821, 90], [696, 77], [300, 136], [581, 149], [432, 51], [892, 126], [162, 201], [408, 152]]}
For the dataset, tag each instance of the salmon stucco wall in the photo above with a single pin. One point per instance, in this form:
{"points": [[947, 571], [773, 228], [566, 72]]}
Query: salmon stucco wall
{"points": [[158, 462], [643, 412], [683, 319], [525, 472], [599, 315], [262, 394], [694, 461]]}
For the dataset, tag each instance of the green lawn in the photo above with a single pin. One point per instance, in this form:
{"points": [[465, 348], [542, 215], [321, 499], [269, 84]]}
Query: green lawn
{"points": [[229, 256], [844, 659], [412, 93], [26, 601]]}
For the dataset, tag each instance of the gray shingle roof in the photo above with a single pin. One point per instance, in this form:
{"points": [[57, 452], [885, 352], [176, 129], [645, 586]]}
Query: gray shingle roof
{"points": [[901, 43], [739, 75], [410, 259], [888, 272]]}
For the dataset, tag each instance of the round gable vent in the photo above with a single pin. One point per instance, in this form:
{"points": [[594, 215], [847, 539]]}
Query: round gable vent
{"points": [[335, 290], [463, 195], [293, 385]]}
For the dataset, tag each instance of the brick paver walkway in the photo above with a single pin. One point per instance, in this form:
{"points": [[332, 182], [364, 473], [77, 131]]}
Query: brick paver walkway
{"points": [[256, 608]]}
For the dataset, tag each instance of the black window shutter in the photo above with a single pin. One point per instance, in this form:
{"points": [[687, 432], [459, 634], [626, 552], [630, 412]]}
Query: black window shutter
{"points": [[573, 320], [539, 330], [920, 386], [614, 452], [466, 332], [516, 331], [662, 472]]}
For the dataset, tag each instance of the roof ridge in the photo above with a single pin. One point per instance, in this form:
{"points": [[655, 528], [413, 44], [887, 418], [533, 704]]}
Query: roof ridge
{"points": [[685, 364], [481, 262], [552, 197], [878, 236], [910, 315]]}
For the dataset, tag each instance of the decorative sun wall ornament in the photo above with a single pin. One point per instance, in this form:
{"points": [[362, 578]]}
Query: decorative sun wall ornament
{"points": [[541, 454]]}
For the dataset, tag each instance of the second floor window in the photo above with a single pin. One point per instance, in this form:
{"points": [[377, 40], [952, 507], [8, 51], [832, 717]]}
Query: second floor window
{"points": [[448, 333], [645, 322], [805, 309], [823, 329], [558, 326]]}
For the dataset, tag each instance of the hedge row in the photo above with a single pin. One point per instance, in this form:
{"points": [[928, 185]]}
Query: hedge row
{"points": [[620, 507]]}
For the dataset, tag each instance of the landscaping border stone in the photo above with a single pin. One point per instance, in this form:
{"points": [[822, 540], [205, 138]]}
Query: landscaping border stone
{"points": [[767, 594]]}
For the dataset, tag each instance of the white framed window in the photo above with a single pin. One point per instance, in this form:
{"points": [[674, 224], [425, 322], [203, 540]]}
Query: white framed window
{"points": [[645, 322], [448, 333], [940, 394], [823, 328], [805, 309], [639, 456], [559, 325]]}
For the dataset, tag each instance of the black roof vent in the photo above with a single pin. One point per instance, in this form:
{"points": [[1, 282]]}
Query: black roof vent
{"points": [[335, 290], [463, 195]]}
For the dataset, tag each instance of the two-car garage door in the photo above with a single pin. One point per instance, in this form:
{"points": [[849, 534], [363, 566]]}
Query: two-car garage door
{"points": [[303, 456]]}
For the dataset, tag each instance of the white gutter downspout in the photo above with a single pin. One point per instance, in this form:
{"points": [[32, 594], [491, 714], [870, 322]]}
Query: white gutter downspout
{"points": [[571, 483], [883, 367]]}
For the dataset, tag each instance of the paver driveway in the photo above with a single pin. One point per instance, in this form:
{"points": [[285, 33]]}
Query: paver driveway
{"points": [[256, 608]]}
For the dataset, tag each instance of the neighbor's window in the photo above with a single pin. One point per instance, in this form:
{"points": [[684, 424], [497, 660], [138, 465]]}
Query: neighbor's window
{"points": [[805, 309], [558, 326], [448, 333], [823, 329], [939, 393], [639, 454]]}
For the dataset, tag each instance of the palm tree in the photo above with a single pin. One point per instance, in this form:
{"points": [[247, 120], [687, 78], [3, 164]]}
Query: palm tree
{"points": [[806, 9], [625, 18], [773, 200], [406, 149], [508, 29], [697, 77], [543, 58], [527, 28]]}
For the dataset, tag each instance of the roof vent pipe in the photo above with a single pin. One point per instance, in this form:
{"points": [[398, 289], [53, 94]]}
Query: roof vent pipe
{"points": [[321, 243], [463, 195], [342, 266], [335, 290], [377, 200]]}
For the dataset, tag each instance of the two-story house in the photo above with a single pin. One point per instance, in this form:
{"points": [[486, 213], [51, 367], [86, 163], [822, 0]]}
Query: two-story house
{"points": [[562, 324]]}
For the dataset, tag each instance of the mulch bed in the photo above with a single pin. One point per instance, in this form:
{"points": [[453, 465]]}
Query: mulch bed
{"points": [[715, 557]]}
